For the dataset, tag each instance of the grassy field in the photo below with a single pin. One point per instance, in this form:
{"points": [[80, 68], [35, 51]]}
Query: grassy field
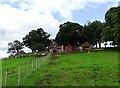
{"points": [[77, 69], [13, 64]]}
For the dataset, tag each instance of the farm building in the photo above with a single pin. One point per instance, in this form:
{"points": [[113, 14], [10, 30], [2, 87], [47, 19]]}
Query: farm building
{"points": [[57, 49], [68, 49], [87, 46], [62, 49]]}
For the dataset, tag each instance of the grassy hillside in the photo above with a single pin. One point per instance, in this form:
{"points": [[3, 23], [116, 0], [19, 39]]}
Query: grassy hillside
{"points": [[13, 64], [78, 69]]}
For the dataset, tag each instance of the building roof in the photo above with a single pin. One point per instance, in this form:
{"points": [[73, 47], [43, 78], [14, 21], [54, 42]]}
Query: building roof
{"points": [[86, 44]]}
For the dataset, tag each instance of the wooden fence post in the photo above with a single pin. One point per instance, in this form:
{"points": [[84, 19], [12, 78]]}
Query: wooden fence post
{"points": [[36, 63], [27, 70], [6, 77], [19, 75], [32, 66]]}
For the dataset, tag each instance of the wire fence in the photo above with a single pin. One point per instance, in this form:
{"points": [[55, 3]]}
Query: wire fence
{"points": [[17, 76], [0, 73]]}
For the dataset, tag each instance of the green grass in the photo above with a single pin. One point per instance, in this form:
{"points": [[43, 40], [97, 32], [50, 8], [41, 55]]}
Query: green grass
{"points": [[12, 66], [77, 69]]}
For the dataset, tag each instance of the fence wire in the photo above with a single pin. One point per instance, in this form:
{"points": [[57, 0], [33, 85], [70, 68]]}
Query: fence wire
{"points": [[25, 72]]}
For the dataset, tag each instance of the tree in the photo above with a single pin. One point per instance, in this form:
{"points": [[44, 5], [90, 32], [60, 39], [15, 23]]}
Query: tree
{"points": [[117, 34], [37, 40], [69, 34], [106, 34], [92, 32], [112, 23], [17, 45], [11, 48], [87, 33], [14, 47]]}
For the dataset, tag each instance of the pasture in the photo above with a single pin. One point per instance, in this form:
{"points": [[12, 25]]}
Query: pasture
{"points": [[13, 64], [75, 69]]}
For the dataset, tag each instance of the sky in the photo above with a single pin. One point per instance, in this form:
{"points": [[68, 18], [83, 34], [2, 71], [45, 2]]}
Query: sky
{"points": [[19, 17]]}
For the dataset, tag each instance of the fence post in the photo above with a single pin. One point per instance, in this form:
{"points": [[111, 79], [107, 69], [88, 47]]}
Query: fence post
{"points": [[27, 70], [32, 66], [6, 77], [36, 63], [19, 75]]}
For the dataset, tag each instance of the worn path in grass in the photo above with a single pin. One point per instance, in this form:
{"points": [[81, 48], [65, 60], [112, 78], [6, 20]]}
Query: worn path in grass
{"points": [[12, 65], [78, 69]]}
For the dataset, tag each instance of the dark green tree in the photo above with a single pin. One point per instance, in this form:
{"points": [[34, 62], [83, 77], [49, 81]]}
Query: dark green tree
{"points": [[11, 48], [87, 33], [92, 32], [14, 47], [111, 31], [69, 34], [18, 45], [37, 40]]}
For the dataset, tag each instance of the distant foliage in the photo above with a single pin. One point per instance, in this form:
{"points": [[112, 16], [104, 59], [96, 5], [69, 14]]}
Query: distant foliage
{"points": [[37, 40], [14, 47]]}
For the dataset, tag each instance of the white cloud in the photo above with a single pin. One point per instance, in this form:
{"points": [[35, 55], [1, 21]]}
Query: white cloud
{"points": [[27, 50], [102, 1], [3, 54], [64, 7]]}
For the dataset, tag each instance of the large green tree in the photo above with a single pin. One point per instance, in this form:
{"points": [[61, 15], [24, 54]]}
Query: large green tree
{"points": [[69, 34], [37, 40], [92, 32], [111, 31]]}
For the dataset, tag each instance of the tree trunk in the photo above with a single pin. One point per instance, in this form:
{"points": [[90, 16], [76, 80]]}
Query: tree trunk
{"points": [[99, 44], [96, 45], [17, 51], [105, 46], [114, 45], [32, 51]]}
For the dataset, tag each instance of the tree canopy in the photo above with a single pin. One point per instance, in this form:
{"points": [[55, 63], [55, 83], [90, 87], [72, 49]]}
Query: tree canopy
{"points": [[69, 34], [14, 47], [75, 34], [111, 31], [37, 40], [92, 32]]}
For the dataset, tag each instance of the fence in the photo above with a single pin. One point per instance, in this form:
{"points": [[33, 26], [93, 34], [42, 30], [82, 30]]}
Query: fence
{"points": [[0, 73], [21, 73]]}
